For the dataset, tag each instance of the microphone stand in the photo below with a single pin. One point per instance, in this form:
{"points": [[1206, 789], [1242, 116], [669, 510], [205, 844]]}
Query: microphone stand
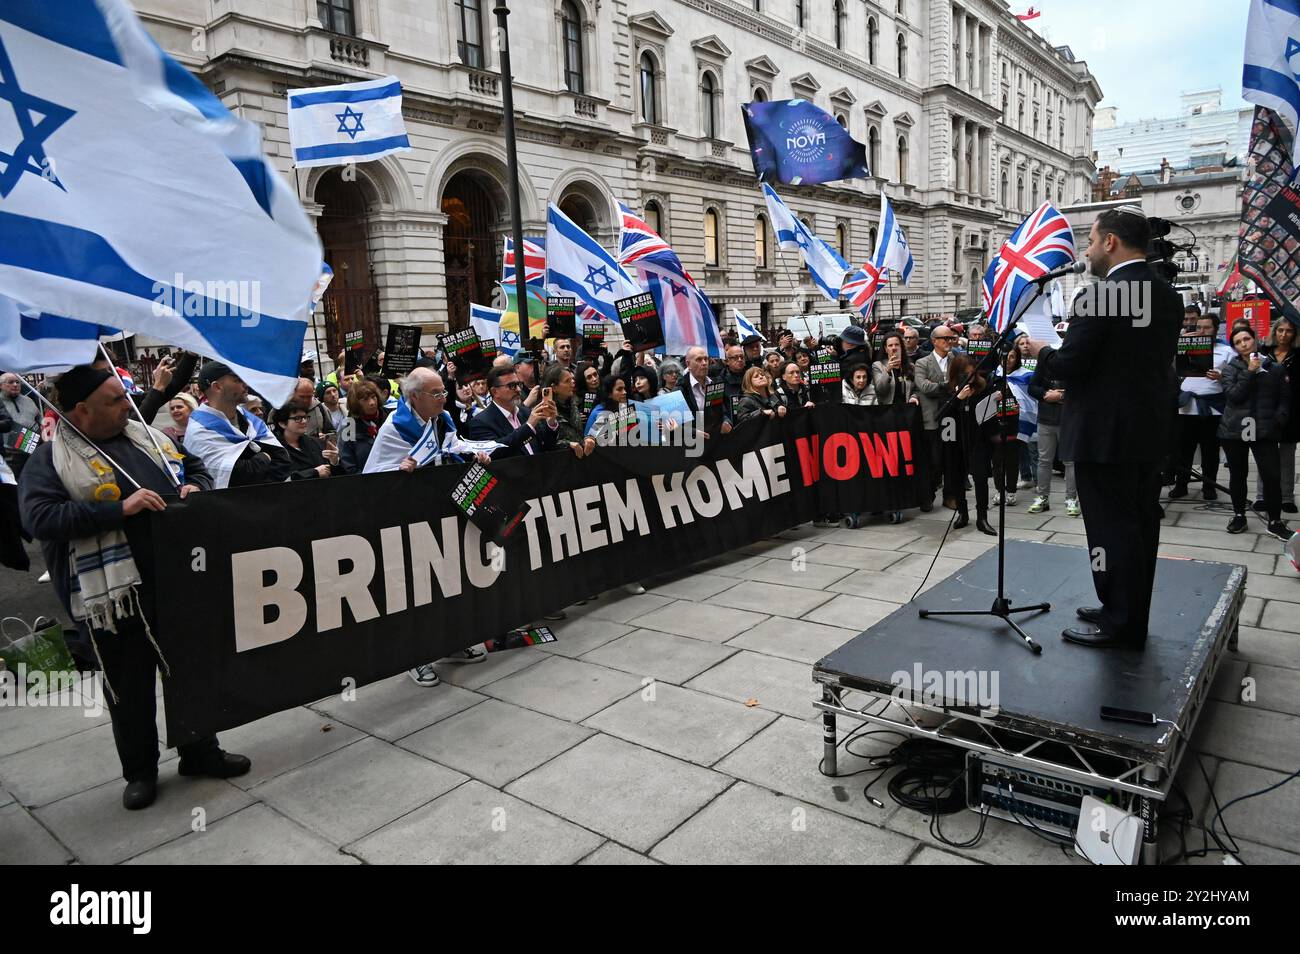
{"points": [[996, 357]]}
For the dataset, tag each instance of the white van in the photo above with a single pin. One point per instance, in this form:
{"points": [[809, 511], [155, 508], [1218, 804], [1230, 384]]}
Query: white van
{"points": [[831, 323]]}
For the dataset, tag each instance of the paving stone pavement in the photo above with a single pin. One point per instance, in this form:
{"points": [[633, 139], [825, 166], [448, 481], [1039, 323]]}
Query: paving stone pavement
{"points": [[673, 727]]}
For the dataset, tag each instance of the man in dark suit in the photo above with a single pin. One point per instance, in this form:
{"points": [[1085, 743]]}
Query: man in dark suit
{"points": [[500, 422], [1117, 362], [694, 386]]}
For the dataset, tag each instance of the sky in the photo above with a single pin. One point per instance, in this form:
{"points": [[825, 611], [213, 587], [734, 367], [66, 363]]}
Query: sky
{"points": [[1181, 45]]}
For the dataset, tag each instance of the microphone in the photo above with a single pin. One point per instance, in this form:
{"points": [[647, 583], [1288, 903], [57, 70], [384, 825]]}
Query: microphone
{"points": [[1074, 268]]}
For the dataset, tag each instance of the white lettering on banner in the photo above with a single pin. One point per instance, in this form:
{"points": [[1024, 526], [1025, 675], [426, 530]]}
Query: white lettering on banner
{"points": [[253, 595], [77, 907], [268, 607], [444, 560], [334, 584]]}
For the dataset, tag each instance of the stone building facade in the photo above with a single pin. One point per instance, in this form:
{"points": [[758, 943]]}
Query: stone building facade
{"points": [[969, 117]]}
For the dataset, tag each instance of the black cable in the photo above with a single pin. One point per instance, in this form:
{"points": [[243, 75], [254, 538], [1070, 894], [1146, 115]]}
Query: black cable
{"points": [[1241, 798]]}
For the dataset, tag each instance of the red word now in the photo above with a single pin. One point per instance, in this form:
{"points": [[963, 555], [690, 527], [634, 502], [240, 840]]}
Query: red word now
{"points": [[840, 456]]}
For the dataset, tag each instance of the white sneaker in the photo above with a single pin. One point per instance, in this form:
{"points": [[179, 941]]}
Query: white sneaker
{"points": [[44, 577], [1011, 500], [1039, 505], [1026, 483], [471, 655], [636, 589], [425, 676]]}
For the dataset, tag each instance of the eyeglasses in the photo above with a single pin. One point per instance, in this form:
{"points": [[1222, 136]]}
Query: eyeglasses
{"points": [[300, 419], [511, 384], [433, 394]]}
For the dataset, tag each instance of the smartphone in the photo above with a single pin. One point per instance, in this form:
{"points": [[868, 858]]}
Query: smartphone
{"points": [[546, 394], [1113, 714]]}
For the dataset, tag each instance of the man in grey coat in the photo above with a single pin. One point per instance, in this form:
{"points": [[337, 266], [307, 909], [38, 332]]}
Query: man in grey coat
{"points": [[931, 379]]}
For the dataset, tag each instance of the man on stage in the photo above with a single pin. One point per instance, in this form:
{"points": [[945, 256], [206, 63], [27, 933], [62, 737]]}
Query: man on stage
{"points": [[1117, 362]]}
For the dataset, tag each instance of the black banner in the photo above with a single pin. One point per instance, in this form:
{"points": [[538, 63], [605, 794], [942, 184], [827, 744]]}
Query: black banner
{"points": [[269, 597]]}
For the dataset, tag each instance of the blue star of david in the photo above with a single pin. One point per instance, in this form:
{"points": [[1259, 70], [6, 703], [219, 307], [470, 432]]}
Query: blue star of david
{"points": [[352, 114], [677, 289], [598, 279], [1292, 48], [801, 238], [509, 339], [29, 154]]}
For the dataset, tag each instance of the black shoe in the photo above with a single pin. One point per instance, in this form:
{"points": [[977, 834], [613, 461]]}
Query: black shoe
{"points": [[1177, 491], [895, 516], [1097, 639], [1209, 493], [1237, 524], [558, 614], [217, 764], [1089, 614], [1280, 530], [1289, 508], [1258, 506], [139, 794], [962, 521], [929, 505], [983, 526]]}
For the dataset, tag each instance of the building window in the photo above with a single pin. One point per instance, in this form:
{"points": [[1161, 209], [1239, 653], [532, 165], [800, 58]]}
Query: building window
{"points": [[842, 240], [871, 236], [798, 13], [760, 95], [902, 56], [571, 23], [873, 151], [470, 45], [1035, 122], [1020, 114], [760, 242], [1005, 188], [336, 16], [1004, 71], [1060, 193], [839, 24], [842, 120], [902, 158], [654, 217], [1034, 204], [1005, 106], [1020, 192], [709, 106], [711, 258], [873, 34], [649, 105]]}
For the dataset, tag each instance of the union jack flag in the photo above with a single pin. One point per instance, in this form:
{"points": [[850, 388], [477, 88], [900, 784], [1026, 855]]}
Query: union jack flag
{"points": [[639, 241], [534, 262], [1042, 242], [863, 286]]}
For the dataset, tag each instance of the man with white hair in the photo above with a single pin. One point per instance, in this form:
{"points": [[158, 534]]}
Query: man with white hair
{"points": [[20, 409], [695, 386], [418, 434]]}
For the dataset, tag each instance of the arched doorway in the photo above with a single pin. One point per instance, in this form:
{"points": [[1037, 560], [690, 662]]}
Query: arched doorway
{"points": [[470, 250], [352, 301], [579, 208]]}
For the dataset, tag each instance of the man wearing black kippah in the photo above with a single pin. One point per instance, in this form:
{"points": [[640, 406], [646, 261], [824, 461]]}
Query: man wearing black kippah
{"points": [[76, 496]]}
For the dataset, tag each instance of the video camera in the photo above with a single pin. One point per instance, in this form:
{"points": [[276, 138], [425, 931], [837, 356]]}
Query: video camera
{"points": [[1161, 251]]}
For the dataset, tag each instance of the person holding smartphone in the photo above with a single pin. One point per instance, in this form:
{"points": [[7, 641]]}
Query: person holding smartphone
{"points": [[1256, 412]]}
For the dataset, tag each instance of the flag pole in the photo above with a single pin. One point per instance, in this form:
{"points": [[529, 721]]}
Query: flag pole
{"points": [[512, 165], [176, 482]]}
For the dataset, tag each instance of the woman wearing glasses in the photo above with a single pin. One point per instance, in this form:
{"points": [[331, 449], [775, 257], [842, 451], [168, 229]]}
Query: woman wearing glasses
{"points": [[309, 457]]}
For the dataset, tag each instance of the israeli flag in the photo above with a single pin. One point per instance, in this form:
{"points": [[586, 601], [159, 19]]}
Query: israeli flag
{"points": [[892, 250], [577, 265], [129, 193], [211, 437], [1269, 77], [486, 323], [824, 263], [744, 328], [352, 122], [34, 343], [1018, 382]]}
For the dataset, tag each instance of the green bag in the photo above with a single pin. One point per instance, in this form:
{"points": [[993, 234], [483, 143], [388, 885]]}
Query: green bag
{"points": [[40, 649]]}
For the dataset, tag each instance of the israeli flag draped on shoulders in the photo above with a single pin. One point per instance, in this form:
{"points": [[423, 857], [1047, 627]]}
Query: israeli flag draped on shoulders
{"points": [[211, 437], [403, 435], [824, 263], [351, 122], [1271, 74], [577, 265], [132, 197]]}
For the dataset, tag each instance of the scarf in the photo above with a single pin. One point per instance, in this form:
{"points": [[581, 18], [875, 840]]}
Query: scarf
{"points": [[211, 437], [104, 577]]}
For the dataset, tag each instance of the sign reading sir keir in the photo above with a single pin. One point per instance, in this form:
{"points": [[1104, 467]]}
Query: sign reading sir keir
{"points": [[258, 610], [463, 349], [489, 504], [642, 328]]}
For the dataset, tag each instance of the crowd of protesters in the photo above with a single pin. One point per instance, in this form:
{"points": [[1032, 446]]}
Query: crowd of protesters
{"points": [[556, 400]]}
